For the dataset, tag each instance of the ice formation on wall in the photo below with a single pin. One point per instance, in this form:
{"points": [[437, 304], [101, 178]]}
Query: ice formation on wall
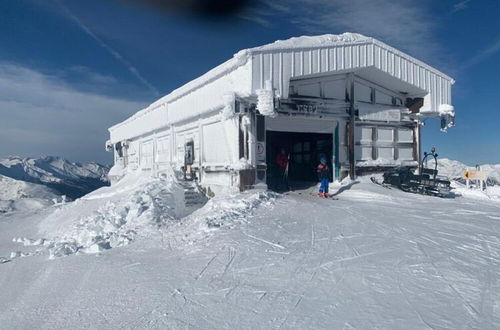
{"points": [[228, 110], [265, 100]]}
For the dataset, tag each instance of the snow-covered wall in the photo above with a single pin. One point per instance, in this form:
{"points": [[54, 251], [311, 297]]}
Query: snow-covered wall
{"points": [[210, 96], [143, 122], [202, 99]]}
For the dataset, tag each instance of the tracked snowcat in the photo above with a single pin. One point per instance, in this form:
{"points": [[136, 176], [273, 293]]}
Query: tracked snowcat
{"points": [[425, 182]]}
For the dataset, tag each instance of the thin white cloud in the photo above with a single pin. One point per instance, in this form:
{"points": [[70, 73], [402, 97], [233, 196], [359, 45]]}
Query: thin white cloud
{"points": [[91, 76], [404, 24], [257, 15], [132, 69], [460, 5], [42, 114]]}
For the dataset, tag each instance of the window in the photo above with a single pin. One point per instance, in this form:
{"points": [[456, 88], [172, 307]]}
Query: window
{"points": [[119, 149]]}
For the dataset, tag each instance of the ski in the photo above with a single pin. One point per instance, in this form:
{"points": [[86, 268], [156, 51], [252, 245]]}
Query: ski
{"points": [[374, 180], [329, 197], [4, 260]]}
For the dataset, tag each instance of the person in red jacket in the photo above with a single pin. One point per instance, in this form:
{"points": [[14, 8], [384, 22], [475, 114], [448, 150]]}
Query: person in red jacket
{"points": [[323, 177], [282, 163]]}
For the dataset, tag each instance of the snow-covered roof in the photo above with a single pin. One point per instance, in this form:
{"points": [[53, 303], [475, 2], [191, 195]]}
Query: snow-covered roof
{"points": [[325, 40]]}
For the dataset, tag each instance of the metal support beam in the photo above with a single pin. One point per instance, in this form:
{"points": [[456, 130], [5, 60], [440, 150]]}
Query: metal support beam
{"points": [[352, 118]]}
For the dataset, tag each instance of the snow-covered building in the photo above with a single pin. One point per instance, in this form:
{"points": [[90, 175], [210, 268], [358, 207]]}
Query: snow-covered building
{"points": [[350, 97]]}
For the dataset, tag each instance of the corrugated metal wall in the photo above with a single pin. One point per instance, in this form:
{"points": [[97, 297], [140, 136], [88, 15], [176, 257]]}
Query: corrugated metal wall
{"points": [[280, 66]]}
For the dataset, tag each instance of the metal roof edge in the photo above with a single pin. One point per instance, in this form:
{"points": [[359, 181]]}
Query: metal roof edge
{"points": [[412, 59]]}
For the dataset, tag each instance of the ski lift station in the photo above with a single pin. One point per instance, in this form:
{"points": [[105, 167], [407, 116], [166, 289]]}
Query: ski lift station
{"points": [[352, 98]]}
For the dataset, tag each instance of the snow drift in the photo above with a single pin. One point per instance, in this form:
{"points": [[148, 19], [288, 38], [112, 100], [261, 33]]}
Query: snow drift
{"points": [[119, 222], [137, 206], [110, 217]]}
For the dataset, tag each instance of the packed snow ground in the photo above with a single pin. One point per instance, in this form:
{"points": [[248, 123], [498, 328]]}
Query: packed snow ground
{"points": [[374, 258]]}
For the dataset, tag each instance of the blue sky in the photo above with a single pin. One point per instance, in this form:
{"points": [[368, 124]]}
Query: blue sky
{"points": [[71, 68]]}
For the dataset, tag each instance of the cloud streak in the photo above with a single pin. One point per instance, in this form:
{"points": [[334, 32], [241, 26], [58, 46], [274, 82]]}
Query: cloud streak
{"points": [[460, 5], [132, 69], [43, 115], [483, 54]]}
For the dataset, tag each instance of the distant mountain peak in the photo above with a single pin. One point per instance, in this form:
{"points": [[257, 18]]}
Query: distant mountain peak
{"points": [[66, 177], [455, 169]]}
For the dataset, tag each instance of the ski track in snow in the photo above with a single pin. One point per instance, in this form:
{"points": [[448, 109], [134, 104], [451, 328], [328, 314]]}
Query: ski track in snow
{"points": [[395, 260]]}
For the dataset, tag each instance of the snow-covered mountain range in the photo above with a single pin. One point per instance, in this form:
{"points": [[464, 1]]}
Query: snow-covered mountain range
{"points": [[454, 170], [58, 175]]}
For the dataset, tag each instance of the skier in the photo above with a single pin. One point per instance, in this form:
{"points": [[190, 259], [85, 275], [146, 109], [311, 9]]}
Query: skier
{"points": [[282, 161], [322, 171]]}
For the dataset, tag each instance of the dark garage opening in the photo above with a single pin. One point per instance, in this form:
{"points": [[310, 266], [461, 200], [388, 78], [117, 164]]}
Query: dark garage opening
{"points": [[305, 150]]}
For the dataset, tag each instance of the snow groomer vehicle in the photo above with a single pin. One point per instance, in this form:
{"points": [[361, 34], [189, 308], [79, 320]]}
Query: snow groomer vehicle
{"points": [[425, 181]]}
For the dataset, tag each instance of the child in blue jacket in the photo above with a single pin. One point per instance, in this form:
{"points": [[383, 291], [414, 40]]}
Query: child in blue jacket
{"points": [[323, 172]]}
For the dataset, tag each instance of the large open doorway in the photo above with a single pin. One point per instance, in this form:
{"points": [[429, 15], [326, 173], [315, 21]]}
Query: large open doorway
{"points": [[304, 150]]}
